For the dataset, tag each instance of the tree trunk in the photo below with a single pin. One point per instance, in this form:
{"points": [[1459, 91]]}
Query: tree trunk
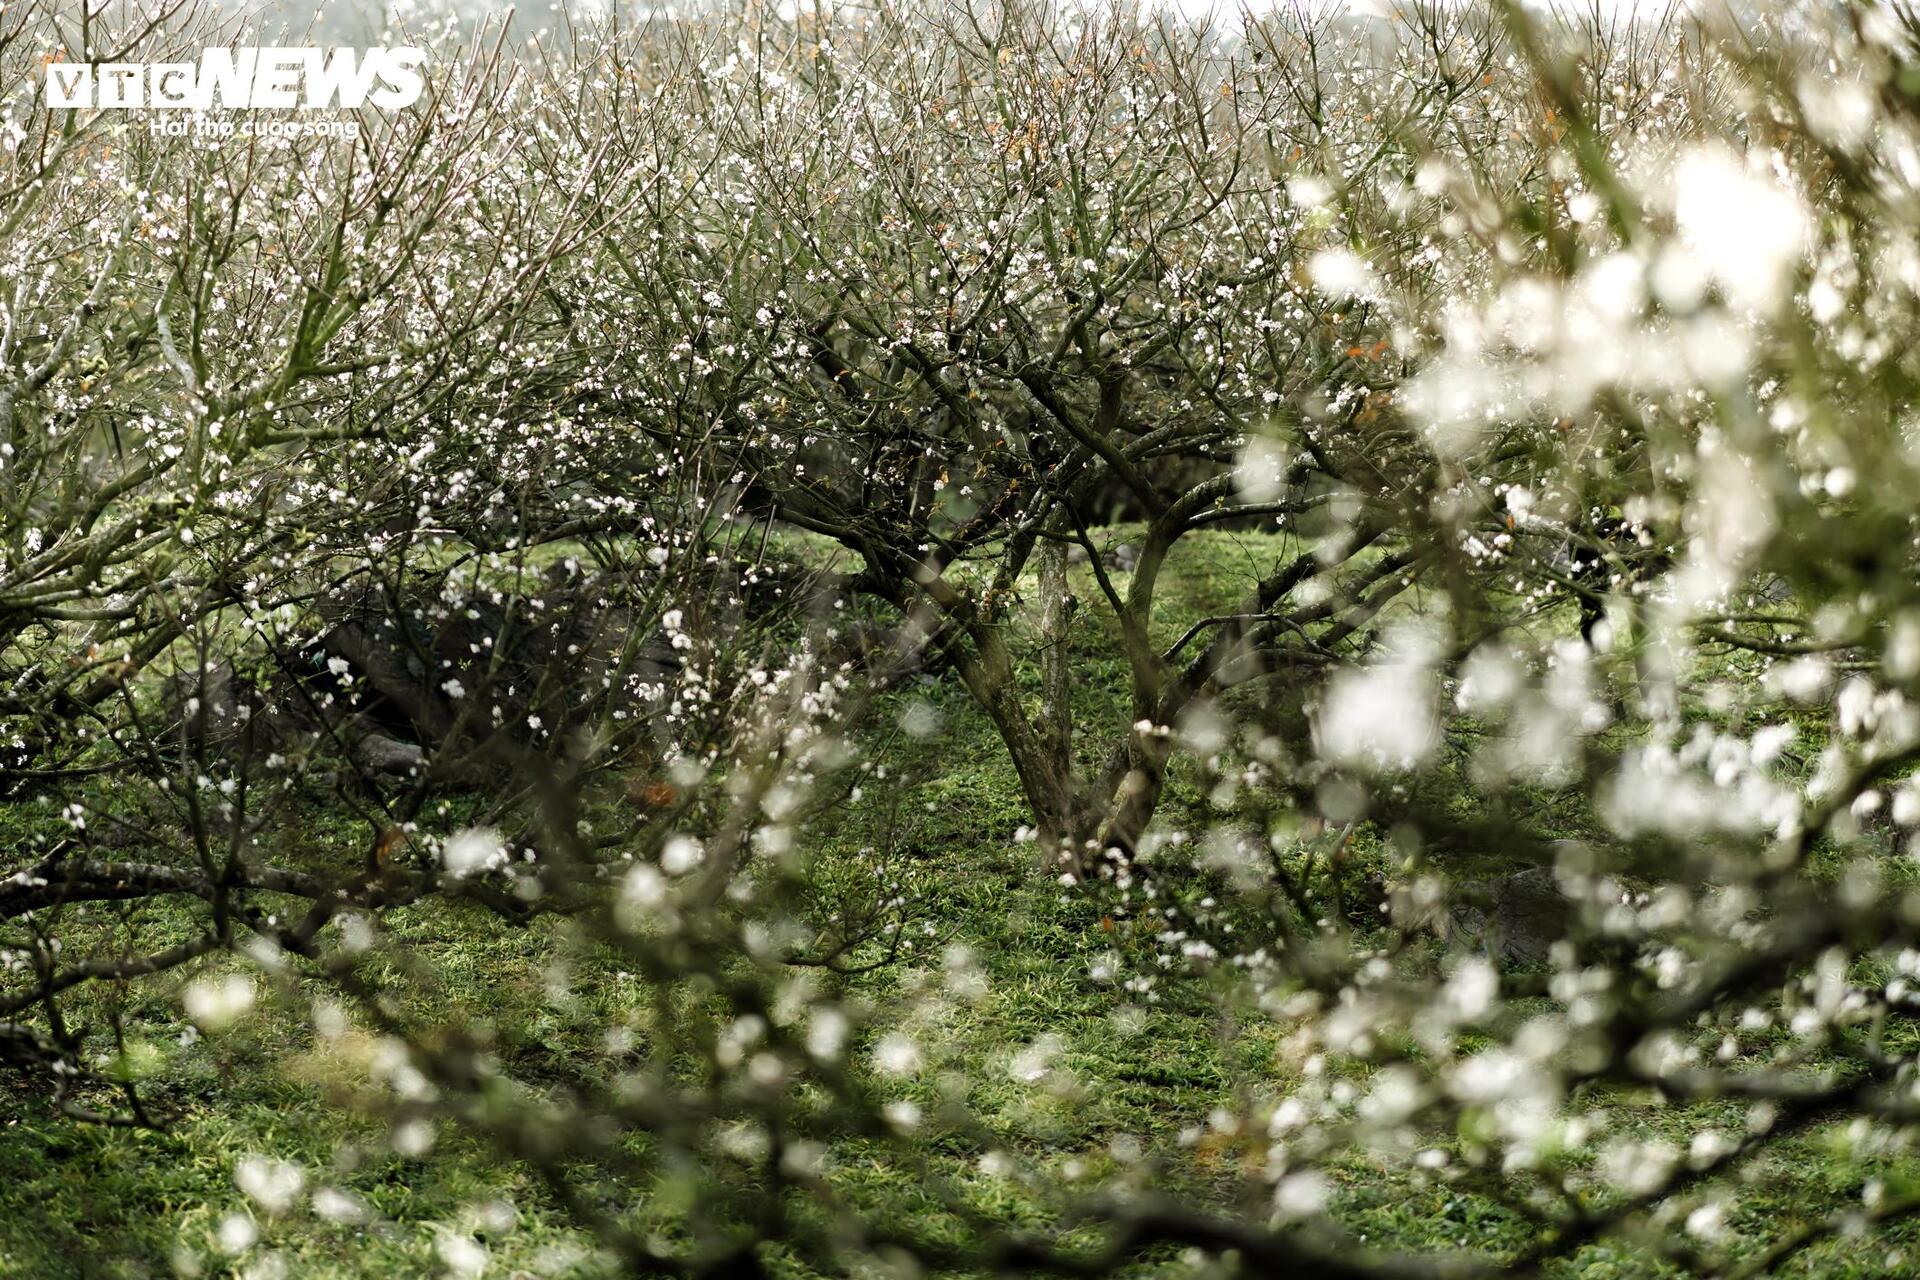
{"points": [[1056, 676]]}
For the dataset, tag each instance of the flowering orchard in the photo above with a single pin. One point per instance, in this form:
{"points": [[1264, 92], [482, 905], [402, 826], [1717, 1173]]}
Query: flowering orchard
{"points": [[962, 638]]}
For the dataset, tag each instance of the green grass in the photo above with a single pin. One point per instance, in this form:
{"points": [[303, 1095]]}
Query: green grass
{"points": [[1132, 1079]]}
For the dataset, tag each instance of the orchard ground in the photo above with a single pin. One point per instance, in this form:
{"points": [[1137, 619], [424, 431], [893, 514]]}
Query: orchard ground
{"points": [[1118, 1087]]}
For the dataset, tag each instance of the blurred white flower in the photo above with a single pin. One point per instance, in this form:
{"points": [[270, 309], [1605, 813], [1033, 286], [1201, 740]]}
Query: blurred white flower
{"points": [[271, 1184], [1489, 679], [1708, 1222], [412, 1139], [1032, 1063], [896, 1055], [217, 1003], [1341, 273], [1309, 191], [920, 719], [335, 1205], [1770, 740], [1840, 110], [1637, 1168], [461, 1255], [1457, 398], [473, 851], [1302, 1195], [827, 1033], [644, 898], [236, 1233], [1262, 470], [1804, 679], [1381, 717], [680, 855], [1746, 230], [1471, 991]]}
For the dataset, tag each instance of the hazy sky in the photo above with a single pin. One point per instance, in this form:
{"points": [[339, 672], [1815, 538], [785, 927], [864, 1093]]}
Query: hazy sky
{"points": [[366, 14]]}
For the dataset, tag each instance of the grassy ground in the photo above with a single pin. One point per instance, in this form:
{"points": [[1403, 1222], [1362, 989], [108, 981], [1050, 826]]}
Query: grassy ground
{"points": [[1134, 1084]]}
